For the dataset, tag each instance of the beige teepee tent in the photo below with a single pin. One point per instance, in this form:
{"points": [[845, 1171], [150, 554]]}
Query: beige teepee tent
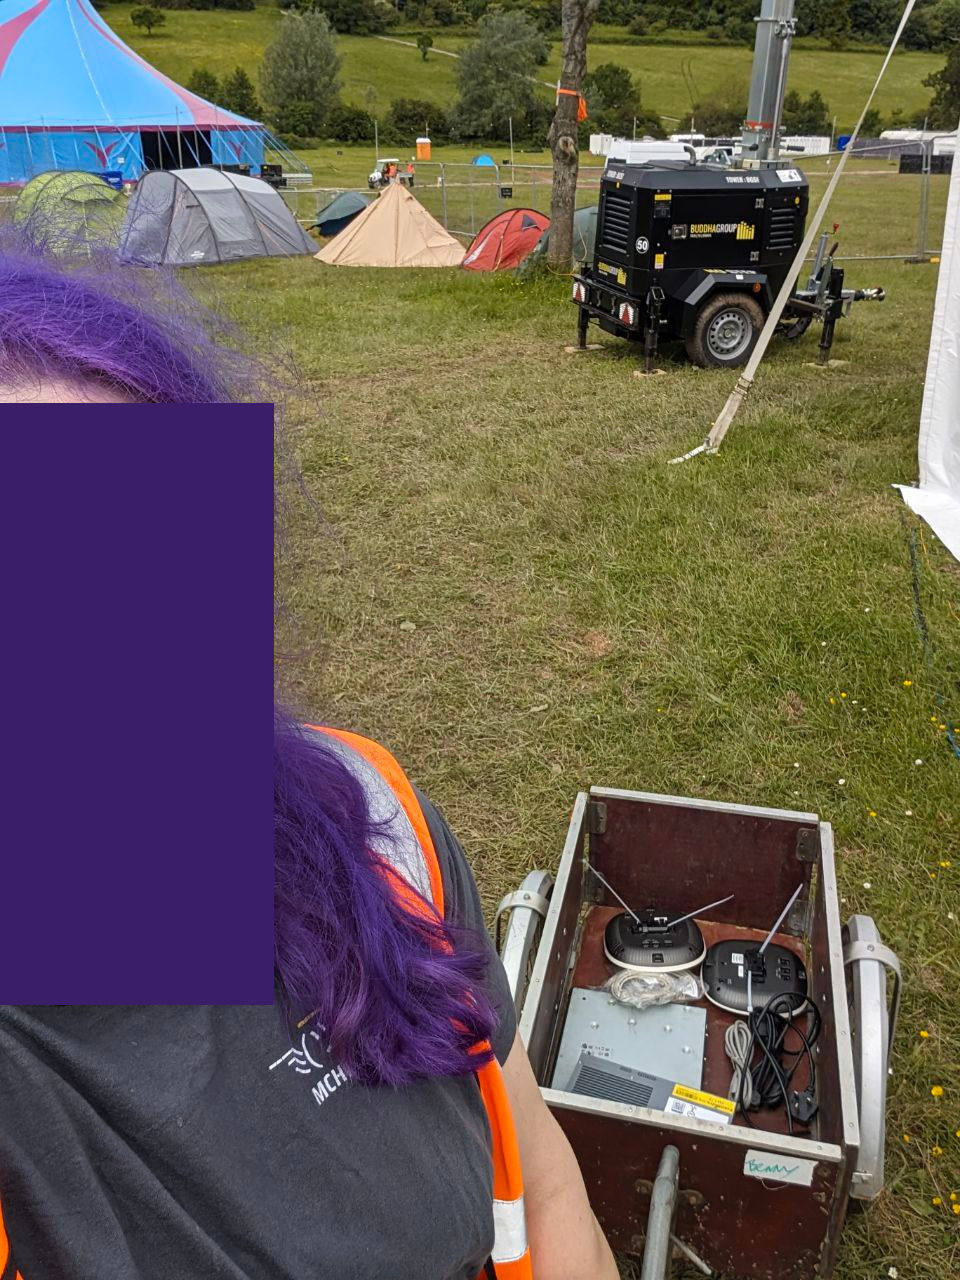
{"points": [[394, 231]]}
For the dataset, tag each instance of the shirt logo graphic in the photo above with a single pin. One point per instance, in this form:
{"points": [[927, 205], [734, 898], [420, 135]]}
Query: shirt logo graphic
{"points": [[307, 1058]]}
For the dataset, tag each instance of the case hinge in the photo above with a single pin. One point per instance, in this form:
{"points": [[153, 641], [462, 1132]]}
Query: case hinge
{"points": [[808, 846], [596, 817]]}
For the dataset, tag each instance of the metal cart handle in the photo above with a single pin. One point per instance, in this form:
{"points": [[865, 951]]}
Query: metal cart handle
{"points": [[854, 952], [657, 1244], [873, 1026], [527, 908]]}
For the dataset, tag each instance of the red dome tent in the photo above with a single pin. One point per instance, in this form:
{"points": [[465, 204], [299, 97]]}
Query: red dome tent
{"points": [[506, 240]]}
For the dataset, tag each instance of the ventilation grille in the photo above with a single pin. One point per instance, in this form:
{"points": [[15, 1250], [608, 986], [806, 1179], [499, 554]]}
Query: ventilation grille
{"points": [[634, 1087], [783, 226], [615, 233]]}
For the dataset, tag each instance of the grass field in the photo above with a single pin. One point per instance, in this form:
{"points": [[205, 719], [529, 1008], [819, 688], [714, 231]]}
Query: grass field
{"points": [[377, 71], [507, 584]]}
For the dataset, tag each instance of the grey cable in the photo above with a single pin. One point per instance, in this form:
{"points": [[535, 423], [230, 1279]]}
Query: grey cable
{"points": [[738, 1042]]}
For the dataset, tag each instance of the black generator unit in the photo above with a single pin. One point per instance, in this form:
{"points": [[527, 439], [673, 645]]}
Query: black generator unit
{"points": [[696, 252]]}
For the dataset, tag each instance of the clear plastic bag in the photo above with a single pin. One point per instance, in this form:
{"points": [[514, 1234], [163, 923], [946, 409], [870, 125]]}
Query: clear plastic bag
{"points": [[644, 990]]}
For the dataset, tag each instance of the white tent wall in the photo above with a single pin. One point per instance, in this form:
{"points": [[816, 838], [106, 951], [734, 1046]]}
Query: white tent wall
{"points": [[937, 499]]}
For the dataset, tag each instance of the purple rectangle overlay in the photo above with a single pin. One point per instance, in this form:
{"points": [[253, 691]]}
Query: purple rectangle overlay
{"points": [[136, 687]]}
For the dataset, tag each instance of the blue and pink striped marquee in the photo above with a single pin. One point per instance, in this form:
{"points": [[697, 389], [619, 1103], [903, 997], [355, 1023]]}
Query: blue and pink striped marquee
{"points": [[74, 96]]}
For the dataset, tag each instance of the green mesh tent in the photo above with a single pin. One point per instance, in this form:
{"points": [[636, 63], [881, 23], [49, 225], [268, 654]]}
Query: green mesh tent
{"points": [[584, 235], [62, 211]]}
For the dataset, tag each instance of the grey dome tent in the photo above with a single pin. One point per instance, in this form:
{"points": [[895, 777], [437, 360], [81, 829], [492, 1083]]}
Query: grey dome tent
{"points": [[341, 210], [188, 217]]}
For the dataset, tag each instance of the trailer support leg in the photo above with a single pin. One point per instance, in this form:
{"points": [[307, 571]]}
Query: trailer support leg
{"points": [[651, 339], [583, 319], [832, 313], [663, 1208]]}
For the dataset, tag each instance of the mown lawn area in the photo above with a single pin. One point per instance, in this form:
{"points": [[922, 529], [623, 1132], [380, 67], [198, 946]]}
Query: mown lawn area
{"points": [[375, 71], [500, 577]]}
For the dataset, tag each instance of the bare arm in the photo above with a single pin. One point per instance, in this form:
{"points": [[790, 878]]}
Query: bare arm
{"points": [[566, 1242]]}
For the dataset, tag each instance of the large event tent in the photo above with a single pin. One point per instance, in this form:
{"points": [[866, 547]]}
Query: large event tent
{"points": [[937, 499], [74, 96]]}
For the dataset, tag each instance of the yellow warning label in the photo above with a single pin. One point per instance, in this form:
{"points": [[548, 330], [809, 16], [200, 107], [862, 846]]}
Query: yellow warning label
{"points": [[663, 195], [704, 1099], [658, 259], [621, 276]]}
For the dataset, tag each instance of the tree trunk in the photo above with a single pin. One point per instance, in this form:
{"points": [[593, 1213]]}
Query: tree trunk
{"points": [[577, 18]]}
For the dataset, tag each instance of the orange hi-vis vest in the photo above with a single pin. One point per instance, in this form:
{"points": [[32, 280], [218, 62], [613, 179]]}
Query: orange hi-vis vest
{"points": [[8, 1268], [411, 856]]}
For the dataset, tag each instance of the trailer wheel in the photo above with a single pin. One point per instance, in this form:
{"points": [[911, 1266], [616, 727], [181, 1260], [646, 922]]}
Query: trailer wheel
{"points": [[726, 331]]}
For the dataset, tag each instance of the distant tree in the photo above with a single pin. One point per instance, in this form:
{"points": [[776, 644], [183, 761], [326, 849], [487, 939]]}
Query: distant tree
{"points": [[944, 110], [805, 116], [723, 115], [238, 94], [206, 4], [205, 84], [347, 123], [353, 17], [300, 73], [872, 124], [830, 20], [613, 104], [495, 76], [407, 118], [149, 17], [424, 44]]}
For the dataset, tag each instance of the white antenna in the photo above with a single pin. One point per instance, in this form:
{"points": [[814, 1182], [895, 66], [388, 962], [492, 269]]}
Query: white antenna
{"points": [[613, 891], [781, 917], [699, 911]]}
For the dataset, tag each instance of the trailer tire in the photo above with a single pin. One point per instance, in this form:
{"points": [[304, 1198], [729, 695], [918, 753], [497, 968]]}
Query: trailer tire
{"points": [[726, 331]]}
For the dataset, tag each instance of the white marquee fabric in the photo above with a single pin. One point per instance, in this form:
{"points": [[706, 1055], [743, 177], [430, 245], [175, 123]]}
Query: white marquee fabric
{"points": [[937, 499]]}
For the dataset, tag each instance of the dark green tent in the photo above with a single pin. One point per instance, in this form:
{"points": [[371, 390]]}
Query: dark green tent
{"points": [[584, 235], [341, 210]]}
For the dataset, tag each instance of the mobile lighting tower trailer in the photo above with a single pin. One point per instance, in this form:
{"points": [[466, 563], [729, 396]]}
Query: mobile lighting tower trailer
{"points": [[699, 251]]}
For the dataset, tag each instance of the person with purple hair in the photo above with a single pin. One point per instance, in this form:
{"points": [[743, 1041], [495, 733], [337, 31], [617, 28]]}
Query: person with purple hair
{"points": [[96, 331], [355, 1129]]}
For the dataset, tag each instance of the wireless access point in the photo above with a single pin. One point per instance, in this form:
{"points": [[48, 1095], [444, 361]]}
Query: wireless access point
{"points": [[652, 941], [741, 976]]}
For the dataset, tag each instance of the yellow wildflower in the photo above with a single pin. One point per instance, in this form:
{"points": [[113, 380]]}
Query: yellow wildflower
{"points": [[953, 1195], [906, 1136], [873, 813], [937, 1091], [937, 1151], [833, 702], [945, 862], [936, 1200], [955, 1208], [843, 695], [924, 1035], [907, 684]]}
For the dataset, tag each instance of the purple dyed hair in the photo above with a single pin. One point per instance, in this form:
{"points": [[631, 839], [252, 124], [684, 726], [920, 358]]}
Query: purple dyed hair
{"points": [[399, 994], [94, 321]]}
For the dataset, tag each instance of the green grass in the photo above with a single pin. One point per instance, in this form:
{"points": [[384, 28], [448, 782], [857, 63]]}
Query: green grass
{"points": [[584, 613], [377, 71]]}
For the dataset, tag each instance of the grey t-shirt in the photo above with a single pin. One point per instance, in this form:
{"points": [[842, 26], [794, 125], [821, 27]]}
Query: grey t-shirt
{"points": [[198, 1142]]}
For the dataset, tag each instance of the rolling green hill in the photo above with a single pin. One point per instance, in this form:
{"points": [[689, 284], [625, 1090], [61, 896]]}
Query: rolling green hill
{"points": [[378, 70]]}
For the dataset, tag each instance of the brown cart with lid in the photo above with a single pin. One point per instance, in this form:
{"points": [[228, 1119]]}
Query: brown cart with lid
{"points": [[737, 1200]]}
